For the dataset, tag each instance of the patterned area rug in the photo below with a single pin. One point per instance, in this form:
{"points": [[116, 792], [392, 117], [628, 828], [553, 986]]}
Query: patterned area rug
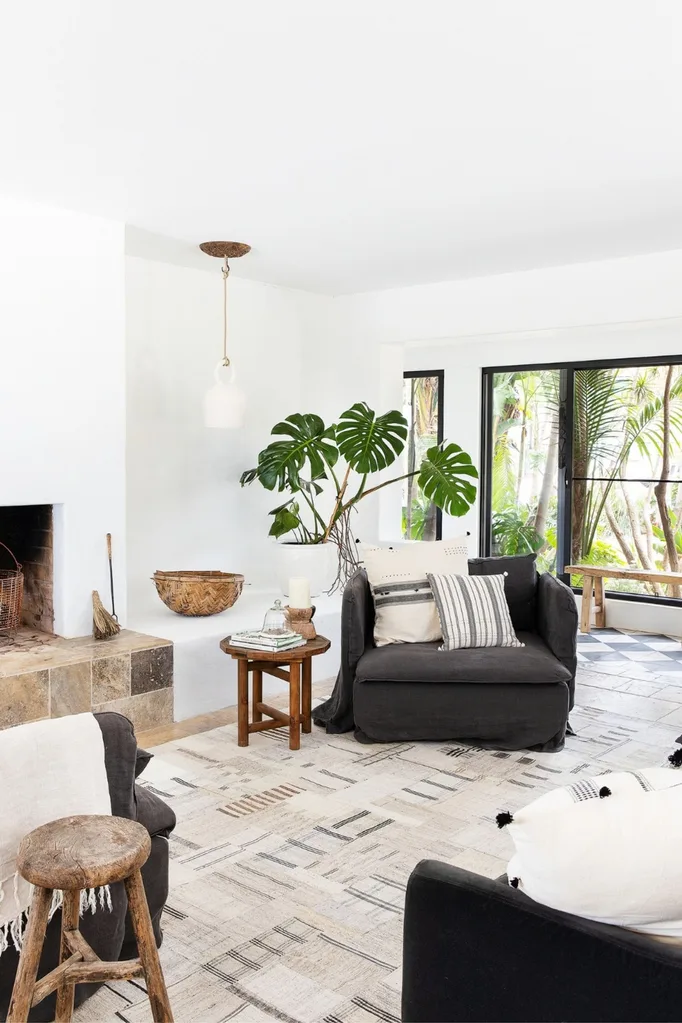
{"points": [[289, 869]]}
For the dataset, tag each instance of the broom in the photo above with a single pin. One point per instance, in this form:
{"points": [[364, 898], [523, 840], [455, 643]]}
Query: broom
{"points": [[105, 625]]}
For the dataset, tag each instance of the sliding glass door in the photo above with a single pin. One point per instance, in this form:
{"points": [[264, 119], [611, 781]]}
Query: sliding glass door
{"points": [[584, 465]]}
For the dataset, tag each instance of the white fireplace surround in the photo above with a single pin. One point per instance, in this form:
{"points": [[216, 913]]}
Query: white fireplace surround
{"points": [[62, 392]]}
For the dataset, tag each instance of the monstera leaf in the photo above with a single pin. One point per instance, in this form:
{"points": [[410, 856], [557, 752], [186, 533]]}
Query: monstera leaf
{"points": [[281, 463], [444, 477], [369, 442], [285, 518]]}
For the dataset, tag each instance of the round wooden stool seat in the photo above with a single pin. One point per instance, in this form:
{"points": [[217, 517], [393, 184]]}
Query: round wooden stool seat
{"points": [[83, 852]]}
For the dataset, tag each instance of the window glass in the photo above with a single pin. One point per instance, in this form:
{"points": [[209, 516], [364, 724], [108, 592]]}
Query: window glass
{"points": [[422, 400], [525, 433]]}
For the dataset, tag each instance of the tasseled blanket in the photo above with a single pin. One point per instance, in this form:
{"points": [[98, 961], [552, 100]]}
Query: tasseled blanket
{"points": [[48, 770]]}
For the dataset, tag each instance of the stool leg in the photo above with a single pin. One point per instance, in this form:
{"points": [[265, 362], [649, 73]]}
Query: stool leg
{"points": [[242, 702], [295, 705], [24, 982], [307, 695], [146, 946], [257, 682], [65, 991]]}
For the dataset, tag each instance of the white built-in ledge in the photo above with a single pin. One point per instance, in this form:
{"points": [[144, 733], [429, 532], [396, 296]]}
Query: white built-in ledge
{"points": [[204, 677]]}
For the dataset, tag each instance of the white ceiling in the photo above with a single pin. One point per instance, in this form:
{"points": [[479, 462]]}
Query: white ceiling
{"points": [[356, 145]]}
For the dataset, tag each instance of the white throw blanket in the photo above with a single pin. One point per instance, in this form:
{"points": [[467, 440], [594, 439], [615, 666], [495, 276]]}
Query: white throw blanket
{"points": [[48, 769]]}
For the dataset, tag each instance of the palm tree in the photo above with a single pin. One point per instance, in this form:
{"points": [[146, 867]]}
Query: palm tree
{"points": [[661, 487], [610, 423]]}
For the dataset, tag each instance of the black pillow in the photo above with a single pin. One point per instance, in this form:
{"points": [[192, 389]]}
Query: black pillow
{"points": [[520, 584]]}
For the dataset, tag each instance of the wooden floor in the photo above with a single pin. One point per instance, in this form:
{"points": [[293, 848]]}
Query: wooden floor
{"points": [[205, 722]]}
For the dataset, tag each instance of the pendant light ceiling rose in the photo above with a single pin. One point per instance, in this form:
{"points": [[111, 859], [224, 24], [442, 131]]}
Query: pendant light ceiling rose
{"points": [[225, 250]]}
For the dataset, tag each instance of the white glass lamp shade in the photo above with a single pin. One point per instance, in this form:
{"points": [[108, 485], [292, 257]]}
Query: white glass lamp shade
{"points": [[224, 403]]}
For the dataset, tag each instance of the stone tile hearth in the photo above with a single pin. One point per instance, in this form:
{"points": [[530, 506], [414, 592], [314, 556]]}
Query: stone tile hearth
{"points": [[45, 676]]}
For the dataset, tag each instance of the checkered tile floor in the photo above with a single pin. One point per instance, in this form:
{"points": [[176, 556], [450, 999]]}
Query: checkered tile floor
{"points": [[658, 655]]}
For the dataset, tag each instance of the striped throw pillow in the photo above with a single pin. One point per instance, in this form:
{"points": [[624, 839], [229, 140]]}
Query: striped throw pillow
{"points": [[473, 611]]}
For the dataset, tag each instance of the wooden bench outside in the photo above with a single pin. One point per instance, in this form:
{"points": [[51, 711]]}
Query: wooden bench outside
{"points": [[593, 584]]}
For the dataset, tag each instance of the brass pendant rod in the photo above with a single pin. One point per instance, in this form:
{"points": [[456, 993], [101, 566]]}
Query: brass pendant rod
{"points": [[226, 274]]}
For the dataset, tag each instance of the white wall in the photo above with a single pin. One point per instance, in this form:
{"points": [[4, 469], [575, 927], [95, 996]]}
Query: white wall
{"points": [[186, 509], [610, 291], [62, 406]]}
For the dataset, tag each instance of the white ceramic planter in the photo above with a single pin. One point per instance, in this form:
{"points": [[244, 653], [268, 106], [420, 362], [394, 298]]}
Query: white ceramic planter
{"points": [[316, 562]]}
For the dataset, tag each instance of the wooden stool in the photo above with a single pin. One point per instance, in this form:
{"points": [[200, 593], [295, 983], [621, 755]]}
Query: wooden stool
{"points": [[299, 677], [71, 854]]}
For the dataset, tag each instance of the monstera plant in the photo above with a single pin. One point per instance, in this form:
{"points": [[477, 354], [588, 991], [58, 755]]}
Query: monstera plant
{"points": [[331, 467]]}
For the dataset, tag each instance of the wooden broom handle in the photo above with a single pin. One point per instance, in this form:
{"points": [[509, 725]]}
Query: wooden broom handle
{"points": [[109, 546]]}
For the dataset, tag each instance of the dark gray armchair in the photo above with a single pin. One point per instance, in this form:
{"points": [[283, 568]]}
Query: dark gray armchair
{"points": [[503, 698], [476, 951], [110, 933]]}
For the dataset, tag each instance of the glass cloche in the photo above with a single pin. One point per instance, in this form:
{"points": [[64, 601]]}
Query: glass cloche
{"points": [[275, 621]]}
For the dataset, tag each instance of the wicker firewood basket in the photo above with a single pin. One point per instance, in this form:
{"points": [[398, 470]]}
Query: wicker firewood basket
{"points": [[11, 596], [198, 594]]}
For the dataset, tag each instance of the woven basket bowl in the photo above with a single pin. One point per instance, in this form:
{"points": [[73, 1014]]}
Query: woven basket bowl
{"points": [[198, 594]]}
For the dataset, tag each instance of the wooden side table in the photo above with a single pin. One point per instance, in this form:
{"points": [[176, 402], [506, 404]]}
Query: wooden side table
{"points": [[299, 676]]}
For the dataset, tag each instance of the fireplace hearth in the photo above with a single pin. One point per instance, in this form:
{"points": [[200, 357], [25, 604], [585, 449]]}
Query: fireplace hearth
{"points": [[28, 532]]}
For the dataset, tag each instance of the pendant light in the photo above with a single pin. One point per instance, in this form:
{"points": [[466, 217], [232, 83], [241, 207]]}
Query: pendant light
{"points": [[224, 403]]}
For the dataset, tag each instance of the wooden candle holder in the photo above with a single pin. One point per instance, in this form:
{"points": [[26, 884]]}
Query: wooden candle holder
{"points": [[301, 621]]}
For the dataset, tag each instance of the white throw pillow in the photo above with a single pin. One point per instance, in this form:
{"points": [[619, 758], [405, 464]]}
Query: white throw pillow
{"points": [[403, 599], [606, 848]]}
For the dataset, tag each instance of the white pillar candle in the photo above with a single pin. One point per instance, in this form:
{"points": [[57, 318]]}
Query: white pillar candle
{"points": [[299, 592]]}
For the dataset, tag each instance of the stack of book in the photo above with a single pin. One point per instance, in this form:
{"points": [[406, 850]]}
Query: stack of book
{"points": [[256, 639]]}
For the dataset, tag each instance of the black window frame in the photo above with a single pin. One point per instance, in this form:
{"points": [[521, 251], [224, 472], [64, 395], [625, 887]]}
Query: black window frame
{"points": [[567, 370], [409, 374]]}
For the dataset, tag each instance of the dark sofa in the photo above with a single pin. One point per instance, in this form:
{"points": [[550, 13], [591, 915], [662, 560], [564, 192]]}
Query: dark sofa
{"points": [[479, 951], [110, 933], [503, 698]]}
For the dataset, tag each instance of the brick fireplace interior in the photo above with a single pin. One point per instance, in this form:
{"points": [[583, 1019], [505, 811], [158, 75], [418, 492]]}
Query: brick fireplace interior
{"points": [[28, 532]]}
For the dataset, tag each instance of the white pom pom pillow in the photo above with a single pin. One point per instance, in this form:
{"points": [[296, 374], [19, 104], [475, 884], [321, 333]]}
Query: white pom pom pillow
{"points": [[607, 849]]}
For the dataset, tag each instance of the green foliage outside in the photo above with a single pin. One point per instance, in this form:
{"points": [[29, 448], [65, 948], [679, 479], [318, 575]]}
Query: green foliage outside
{"points": [[627, 427], [419, 521]]}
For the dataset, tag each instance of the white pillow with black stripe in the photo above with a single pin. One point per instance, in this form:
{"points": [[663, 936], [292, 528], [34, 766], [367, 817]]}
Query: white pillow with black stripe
{"points": [[473, 611], [405, 611], [604, 848]]}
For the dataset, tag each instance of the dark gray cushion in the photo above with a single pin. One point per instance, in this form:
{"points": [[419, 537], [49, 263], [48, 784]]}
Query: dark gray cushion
{"points": [[153, 813], [520, 585], [424, 662], [141, 760], [120, 757]]}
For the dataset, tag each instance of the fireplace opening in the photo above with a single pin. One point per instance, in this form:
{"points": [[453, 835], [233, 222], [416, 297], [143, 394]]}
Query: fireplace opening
{"points": [[28, 532]]}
